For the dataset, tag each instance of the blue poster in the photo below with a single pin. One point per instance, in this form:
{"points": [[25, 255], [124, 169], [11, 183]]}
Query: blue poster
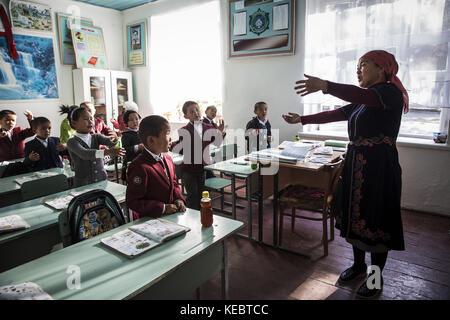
{"points": [[33, 76]]}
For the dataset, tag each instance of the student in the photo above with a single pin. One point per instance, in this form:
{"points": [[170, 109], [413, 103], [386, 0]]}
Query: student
{"points": [[130, 139], [120, 124], [12, 138], [43, 151], [83, 147], [210, 115], [100, 126], [193, 161], [152, 188], [260, 122], [65, 130]]}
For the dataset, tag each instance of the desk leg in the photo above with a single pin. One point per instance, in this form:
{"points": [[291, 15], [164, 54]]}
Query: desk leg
{"points": [[275, 210], [260, 204], [233, 196], [225, 272], [249, 207]]}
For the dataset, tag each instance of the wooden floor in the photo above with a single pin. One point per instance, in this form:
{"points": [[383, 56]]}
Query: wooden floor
{"points": [[259, 272]]}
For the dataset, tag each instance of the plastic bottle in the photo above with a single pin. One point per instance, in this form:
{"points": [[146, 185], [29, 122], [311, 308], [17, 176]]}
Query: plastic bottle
{"points": [[66, 165], [206, 210]]}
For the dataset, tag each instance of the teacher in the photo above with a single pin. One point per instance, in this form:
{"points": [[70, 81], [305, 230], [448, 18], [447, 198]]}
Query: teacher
{"points": [[369, 212]]}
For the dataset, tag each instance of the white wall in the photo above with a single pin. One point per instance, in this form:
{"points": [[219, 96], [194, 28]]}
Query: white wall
{"points": [[111, 22]]}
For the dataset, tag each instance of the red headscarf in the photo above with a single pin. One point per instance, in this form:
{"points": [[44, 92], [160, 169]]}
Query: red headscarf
{"points": [[390, 66]]}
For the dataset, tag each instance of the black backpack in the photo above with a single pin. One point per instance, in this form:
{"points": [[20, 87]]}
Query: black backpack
{"points": [[93, 213]]}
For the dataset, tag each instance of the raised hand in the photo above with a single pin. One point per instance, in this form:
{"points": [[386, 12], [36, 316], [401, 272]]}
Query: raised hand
{"points": [[310, 85], [34, 156], [170, 208], [28, 114], [180, 205], [291, 118]]}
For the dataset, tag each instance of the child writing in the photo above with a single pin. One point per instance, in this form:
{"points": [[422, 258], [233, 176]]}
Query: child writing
{"points": [[43, 151], [12, 138], [65, 130], [152, 188], [256, 126], [84, 149], [130, 139], [195, 151]]}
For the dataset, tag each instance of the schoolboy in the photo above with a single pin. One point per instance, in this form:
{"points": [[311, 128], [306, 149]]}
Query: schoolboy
{"points": [[12, 138], [43, 152], [257, 124], [152, 188]]}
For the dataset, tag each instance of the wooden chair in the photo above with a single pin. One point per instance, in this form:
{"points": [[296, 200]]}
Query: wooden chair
{"points": [[311, 199], [43, 187]]}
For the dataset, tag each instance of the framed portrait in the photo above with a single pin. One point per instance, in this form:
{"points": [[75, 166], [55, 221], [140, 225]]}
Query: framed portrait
{"points": [[137, 44], [261, 27], [30, 16], [89, 47], [65, 22]]}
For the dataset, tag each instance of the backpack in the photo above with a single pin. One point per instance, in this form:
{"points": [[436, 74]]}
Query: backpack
{"points": [[93, 213]]}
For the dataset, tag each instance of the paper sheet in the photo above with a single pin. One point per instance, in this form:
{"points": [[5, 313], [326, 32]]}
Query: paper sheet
{"points": [[240, 23], [281, 17], [23, 291]]}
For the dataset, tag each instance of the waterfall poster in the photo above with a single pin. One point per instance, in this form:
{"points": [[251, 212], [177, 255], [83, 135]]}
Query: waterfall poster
{"points": [[33, 76]]}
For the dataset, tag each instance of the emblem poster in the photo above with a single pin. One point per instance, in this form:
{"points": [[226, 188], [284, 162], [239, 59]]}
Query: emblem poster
{"points": [[261, 27], [89, 47]]}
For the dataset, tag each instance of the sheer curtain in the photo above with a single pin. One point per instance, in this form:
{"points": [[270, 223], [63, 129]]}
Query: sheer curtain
{"points": [[417, 32], [186, 59]]}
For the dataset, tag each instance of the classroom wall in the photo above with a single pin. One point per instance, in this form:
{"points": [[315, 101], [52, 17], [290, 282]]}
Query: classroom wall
{"points": [[111, 22]]}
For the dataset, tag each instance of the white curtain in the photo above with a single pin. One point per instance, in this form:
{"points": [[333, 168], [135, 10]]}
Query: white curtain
{"points": [[417, 32]]}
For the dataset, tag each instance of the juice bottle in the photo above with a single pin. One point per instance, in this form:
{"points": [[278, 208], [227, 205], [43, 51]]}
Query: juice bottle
{"points": [[206, 210]]}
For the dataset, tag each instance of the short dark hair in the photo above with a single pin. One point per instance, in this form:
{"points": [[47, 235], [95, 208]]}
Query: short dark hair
{"points": [[210, 107], [39, 121], [75, 115], [5, 112], [187, 104], [127, 114], [258, 104], [151, 126]]}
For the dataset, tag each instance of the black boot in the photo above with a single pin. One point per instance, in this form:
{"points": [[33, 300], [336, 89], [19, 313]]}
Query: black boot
{"points": [[353, 272], [365, 293]]}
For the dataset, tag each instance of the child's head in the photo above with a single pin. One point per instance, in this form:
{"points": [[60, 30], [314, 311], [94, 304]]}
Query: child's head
{"points": [[66, 109], [7, 119], [132, 119], [82, 120], [42, 127], [211, 112], [89, 106], [154, 132], [191, 111], [261, 110]]}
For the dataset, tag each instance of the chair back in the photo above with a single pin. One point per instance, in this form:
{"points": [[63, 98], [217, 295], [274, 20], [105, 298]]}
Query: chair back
{"points": [[88, 215], [43, 187]]}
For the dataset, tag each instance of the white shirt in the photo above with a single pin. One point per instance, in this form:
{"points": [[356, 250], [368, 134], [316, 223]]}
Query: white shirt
{"points": [[87, 138], [198, 126], [44, 142], [263, 122]]}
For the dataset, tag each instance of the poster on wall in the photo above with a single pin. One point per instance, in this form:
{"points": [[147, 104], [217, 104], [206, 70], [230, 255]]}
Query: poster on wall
{"points": [[30, 16], [65, 36], [261, 27], [136, 44], [89, 47], [33, 76]]}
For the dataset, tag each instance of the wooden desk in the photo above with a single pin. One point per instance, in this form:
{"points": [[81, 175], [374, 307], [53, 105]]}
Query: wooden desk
{"points": [[170, 271], [10, 190], [24, 245]]}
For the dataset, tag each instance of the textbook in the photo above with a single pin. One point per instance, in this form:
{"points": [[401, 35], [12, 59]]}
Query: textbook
{"points": [[62, 202], [140, 238], [35, 176], [12, 223], [23, 291]]}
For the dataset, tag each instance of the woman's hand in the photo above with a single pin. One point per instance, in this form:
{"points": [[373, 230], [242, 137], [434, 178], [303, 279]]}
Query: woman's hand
{"points": [[292, 118], [310, 85]]}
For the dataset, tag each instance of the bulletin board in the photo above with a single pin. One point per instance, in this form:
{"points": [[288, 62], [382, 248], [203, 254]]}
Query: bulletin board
{"points": [[136, 44], [261, 27], [89, 47]]}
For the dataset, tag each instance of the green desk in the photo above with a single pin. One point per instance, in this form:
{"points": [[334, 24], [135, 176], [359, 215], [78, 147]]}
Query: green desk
{"points": [[10, 190], [24, 245], [237, 166], [172, 270]]}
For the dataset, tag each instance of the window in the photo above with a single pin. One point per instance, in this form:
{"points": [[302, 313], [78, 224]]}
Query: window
{"points": [[417, 32], [186, 60]]}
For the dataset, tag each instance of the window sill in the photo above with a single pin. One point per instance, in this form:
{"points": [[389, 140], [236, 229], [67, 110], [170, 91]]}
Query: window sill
{"points": [[401, 141]]}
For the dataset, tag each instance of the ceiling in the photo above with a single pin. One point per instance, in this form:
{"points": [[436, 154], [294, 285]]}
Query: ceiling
{"points": [[117, 4]]}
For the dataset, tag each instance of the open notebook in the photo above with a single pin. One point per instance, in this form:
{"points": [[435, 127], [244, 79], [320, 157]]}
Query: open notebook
{"points": [[23, 291], [12, 223], [140, 238], [62, 202], [35, 176]]}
